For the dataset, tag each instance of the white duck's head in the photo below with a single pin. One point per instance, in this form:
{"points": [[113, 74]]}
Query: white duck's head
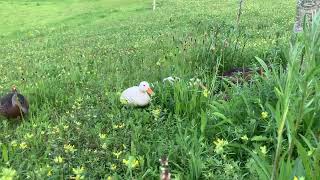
{"points": [[145, 87]]}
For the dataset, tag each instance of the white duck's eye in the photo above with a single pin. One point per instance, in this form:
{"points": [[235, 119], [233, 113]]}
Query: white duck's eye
{"points": [[144, 85]]}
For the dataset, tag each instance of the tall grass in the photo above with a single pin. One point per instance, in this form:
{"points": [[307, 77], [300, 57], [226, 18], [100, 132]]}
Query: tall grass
{"points": [[296, 145], [74, 68]]}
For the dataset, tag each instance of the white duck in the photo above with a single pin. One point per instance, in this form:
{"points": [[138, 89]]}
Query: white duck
{"points": [[137, 95]]}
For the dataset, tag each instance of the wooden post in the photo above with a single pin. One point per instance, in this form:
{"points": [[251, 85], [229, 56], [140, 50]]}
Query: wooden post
{"points": [[308, 8]]}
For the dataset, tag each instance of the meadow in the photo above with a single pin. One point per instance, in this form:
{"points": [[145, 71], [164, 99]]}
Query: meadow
{"points": [[73, 58]]}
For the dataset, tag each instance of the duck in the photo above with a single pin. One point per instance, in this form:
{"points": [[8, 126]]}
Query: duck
{"points": [[14, 105], [241, 74], [171, 79], [138, 96], [165, 172]]}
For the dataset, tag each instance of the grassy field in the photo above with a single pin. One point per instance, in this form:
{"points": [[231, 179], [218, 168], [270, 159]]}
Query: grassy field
{"points": [[73, 58]]}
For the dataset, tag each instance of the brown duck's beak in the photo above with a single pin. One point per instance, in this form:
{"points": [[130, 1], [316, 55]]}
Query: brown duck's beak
{"points": [[261, 72], [149, 91], [14, 88]]}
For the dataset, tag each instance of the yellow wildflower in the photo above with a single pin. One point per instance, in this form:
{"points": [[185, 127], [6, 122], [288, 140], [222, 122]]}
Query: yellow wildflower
{"points": [[123, 101], [23, 145], [206, 92], [14, 143], [135, 163], [245, 138], [102, 136], [117, 154], [311, 151], [104, 146], [69, 148], [58, 160], [126, 162], [55, 130], [220, 143], [8, 174], [118, 126], [264, 115], [113, 167], [299, 178], [28, 136], [78, 123], [121, 125], [65, 127], [156, 113], [109, 178], [49, 172], [131, 163], [78, 172], [263, 150]]}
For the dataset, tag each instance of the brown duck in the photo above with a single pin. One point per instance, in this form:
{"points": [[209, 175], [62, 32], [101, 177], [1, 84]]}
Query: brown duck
{"points": [[14, 105], [241, 74]]}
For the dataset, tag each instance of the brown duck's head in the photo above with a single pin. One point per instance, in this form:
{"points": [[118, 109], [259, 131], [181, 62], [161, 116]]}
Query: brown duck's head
{"points": [[19, 100], [261, 71], [164, 161], [14, 88]]}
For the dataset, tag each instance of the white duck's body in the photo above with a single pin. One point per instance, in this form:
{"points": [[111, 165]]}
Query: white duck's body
{"points": [[137, 95]]}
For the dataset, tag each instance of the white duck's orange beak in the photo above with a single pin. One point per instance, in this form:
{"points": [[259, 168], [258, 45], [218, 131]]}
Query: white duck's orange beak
{"points": [[149, 91]]}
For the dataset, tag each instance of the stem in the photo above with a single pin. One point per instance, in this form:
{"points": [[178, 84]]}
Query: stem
{"points": [[299, 119], [279, 145], [311, 122], [239, 11], [285, 105], [302, 59]]}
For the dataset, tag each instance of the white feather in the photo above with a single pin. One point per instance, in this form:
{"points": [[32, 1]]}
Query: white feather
{"points": [[135, 96]]}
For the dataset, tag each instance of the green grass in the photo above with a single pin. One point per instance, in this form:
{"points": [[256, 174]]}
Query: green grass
{"points": [[73, 58]]}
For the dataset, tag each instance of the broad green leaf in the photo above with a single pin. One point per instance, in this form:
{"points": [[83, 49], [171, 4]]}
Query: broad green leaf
{"points": [[260, 138], [264, 66], [262, 164], [203, 122], [306, 141], [303, 154], [5, 153], [219, 115]]}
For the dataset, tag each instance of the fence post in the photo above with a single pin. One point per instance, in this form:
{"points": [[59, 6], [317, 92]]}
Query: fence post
{"points": [[308, 8]]}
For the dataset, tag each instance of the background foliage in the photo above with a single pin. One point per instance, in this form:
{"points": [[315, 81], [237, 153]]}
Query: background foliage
{"points": [[73, 58]]}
